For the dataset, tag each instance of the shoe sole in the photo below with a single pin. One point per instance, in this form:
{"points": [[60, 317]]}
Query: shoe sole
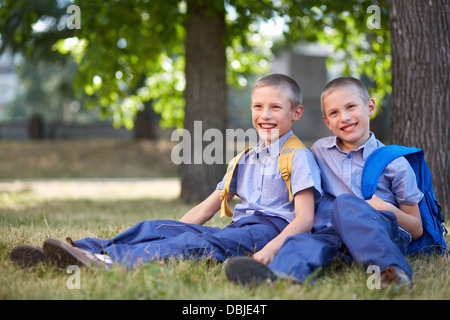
{"points": [[27, 256], [248, 272], [62, 255]]}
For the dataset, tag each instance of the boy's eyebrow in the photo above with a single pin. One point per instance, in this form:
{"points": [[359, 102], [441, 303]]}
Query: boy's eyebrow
{"points": [[270, 102], [327, 110], [351, 102], [346, 104]]}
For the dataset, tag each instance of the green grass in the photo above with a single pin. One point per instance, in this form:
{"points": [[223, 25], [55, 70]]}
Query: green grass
{"points": [[29, 218], [32, 211], [89, 158]]}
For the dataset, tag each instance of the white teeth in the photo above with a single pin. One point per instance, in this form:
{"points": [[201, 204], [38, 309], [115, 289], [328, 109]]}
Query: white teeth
{"points": [[266, 126], [349, 128]]}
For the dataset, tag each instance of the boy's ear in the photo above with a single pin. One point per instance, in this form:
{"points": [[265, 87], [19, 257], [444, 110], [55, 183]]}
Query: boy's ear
{"points": [[371, 107], [326, 122], [298, 111]]}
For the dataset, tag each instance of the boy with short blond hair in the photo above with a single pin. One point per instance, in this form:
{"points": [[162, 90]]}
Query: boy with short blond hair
{"points": [[261, 222], [376, 232]]}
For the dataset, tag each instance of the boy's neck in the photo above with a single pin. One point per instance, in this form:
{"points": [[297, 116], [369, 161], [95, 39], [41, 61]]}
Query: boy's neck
{"points": [[263, 143], [267, 143], [347, 146]]}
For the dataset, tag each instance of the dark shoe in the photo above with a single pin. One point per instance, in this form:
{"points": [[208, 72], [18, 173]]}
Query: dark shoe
{"points": [[394, 275], [27, 256], [248, 272], [62, 255]]}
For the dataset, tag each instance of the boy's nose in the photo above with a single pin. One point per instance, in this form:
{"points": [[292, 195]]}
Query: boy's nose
{"points": [[267, 113], [345, 116]]}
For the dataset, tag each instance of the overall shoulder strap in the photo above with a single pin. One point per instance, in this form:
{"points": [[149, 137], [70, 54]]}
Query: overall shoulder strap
{"points": [[224, 210], [285, 160], [377, 161]]}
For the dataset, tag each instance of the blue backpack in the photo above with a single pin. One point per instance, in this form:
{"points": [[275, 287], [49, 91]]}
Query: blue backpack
{"points": [[432, 239]]}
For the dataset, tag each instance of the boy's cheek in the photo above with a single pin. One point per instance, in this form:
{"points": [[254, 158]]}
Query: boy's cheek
{"points": [[328, 123]]}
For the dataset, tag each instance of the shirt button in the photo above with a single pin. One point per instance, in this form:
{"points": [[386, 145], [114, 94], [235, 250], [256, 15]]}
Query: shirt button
{"points": [[349, 156]]}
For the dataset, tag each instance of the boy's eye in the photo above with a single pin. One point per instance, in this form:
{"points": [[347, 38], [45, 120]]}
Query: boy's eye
{"points": [[332, 113]]}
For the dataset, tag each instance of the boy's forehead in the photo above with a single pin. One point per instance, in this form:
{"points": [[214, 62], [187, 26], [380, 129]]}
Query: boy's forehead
{"points": [[265, 87], [269, 89], [344, 93]]}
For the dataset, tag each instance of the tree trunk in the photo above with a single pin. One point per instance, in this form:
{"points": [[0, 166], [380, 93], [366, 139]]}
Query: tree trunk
{"points": [[420, 84], [145, 124], [205, 93]]}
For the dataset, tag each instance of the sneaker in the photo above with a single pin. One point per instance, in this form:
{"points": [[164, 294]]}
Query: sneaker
{"points": [[394, 275], [62, 255], [248, 272], [27, 256]]}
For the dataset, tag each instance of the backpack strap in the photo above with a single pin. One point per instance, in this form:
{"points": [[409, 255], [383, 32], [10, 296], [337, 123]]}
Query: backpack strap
{"points": [[285, 160], [377, 161], [224, 210]]}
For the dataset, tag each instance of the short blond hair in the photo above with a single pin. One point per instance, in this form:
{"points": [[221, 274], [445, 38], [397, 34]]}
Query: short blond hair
{"points": [[345, 82], [285, 84]]}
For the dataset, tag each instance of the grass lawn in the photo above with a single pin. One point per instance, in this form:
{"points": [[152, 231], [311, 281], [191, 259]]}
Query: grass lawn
{"points": [[33, 210], [90, 158]]}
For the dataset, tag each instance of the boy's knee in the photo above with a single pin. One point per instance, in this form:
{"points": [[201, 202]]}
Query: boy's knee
{"points": [[346, 200], [342, 204], [295, 242], [346, 206]]}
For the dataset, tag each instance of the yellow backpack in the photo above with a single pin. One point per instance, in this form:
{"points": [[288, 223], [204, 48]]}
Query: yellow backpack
{"points": [[284, 165]]}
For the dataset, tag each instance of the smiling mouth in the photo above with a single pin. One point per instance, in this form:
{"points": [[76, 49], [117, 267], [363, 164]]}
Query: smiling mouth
{"points": [[267, 126], [349, 127]]}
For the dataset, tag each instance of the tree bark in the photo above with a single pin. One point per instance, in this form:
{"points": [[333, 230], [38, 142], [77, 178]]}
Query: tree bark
{"points": [[144, 124], [420, 48], [205, 92]]}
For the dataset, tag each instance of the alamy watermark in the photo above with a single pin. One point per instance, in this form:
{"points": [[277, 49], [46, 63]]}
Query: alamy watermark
{"points": [[374, 20], [73, 281], [374, 280], [74, 20], [218, 149]]}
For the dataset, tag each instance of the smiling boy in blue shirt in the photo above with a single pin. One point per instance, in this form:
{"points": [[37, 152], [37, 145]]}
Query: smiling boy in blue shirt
{"points": [[261, 222], [376, 232]]}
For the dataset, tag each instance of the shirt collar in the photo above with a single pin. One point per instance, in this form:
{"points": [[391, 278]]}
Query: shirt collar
{"points": [[367, 148]]}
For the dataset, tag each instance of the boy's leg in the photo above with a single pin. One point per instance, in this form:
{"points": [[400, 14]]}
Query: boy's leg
{"points": [[305, 254], [60, 253], [248, 234], [144, 231], [372, 236], [299, 257]]}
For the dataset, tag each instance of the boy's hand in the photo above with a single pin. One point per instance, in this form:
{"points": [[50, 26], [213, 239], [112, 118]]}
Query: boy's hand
{"points": [[408, 215], [379, 204], [303, 222], [265, 255]]}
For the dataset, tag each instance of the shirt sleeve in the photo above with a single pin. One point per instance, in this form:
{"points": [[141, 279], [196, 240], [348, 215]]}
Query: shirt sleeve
{"points": [[305, 173], [233, 188], [404, 183]]}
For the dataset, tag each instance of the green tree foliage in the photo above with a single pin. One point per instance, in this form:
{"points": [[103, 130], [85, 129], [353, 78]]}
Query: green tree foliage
{"points": [[355, 32], [130, 52]]}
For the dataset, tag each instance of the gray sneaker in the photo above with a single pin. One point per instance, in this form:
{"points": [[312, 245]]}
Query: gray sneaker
{"points": [[248, 272], [27, 256]]}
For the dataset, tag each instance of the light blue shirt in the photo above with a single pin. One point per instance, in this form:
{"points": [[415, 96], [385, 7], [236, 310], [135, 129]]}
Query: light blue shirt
{"points": [[342, 171], [258, 183]]}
